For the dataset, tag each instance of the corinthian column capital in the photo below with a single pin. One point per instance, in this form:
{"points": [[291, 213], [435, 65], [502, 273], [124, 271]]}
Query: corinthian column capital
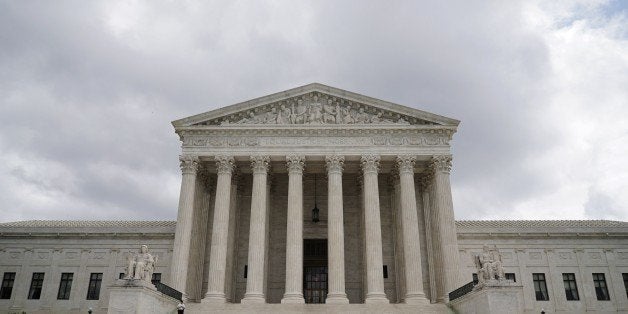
{"points": [[295, 163], [370, 163], [441, 163], [405, 163], [224, 164], [188, 163], [260, 164], [335, 163]]}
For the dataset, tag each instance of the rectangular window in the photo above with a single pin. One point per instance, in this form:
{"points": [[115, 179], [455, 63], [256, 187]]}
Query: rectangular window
{"points": [[93, 290], [34, 293], [246, 270], [385, 271], [7, 285], [121, 276], [511, 276], [625, 275], [475, 278], [599, 282], [65, 285], [571, 289], [156, 278], [540, 287]]}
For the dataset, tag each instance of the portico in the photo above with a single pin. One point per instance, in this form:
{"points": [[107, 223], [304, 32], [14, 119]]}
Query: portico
{"points": [[252, 172]]}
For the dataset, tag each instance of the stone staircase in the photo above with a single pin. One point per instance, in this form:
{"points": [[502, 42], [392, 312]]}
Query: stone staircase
{"points": [[314, 308]]}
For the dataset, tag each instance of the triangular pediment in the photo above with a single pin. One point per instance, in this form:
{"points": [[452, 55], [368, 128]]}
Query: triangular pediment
{"points": [[315, 104]]}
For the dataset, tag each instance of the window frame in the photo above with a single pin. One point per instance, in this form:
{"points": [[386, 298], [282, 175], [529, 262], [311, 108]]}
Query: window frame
{"points": [[93, 288], [601, 287], [65, 286], [37, 286], [571, 287], [514, 276], [538, 280], [6, 288]]}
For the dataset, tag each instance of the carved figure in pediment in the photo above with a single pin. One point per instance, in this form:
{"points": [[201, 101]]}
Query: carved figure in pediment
{"points": [[300, 113], [361, 116], [141, 265], [347, 116], [402, 121], [271, 116], [338, 114], [315, 114], [283, 116], [329, 112]]}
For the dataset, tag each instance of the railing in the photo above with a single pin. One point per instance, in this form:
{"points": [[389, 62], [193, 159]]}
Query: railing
{"points": [[461, 291], [169, 291]]}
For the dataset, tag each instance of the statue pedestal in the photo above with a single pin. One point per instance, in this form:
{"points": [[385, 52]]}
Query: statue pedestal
{"points": [[491, 297], [138, 296]]}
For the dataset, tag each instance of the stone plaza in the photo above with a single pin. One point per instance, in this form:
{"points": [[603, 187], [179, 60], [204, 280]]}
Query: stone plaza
{"points": [[317, 199]]}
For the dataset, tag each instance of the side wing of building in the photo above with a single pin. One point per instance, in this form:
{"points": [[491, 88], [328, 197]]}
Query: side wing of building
{"points": [[565, 266]]}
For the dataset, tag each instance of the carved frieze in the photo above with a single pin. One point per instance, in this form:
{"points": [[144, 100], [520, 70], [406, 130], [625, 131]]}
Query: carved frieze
{"points": [[316, 108], [226, 141]]}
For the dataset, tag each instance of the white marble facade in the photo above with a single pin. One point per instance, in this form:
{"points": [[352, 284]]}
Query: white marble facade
{"points": [[381, 167], [252, 172]]}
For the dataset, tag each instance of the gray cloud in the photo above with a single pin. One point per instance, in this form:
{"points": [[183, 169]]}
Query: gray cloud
{"points": [[88, 90]]}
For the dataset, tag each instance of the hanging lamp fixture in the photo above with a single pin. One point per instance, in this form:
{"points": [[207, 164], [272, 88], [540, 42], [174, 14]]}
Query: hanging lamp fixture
{"points": [[315, 210]]}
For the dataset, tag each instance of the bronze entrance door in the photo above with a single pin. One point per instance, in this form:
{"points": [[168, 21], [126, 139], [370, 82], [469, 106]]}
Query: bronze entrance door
{"points": [[315, 270]]}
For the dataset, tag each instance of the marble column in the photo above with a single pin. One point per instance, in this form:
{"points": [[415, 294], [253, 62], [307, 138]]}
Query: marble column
{"points": [[425, 203], [257, 232], [183, 233], [444, 228], [410, 232], [199, 231], [294, 233], [220, 231], [335, 232], [373, 232]]}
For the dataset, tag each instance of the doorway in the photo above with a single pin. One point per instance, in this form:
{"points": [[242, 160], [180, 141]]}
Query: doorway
{"points": [[315, 270]]}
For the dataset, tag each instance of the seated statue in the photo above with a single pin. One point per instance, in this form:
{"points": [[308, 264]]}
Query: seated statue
{"points": [[141, 265], [489, 265]]}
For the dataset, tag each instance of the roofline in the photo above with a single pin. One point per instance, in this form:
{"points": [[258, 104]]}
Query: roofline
{"points": [[260, 101]]}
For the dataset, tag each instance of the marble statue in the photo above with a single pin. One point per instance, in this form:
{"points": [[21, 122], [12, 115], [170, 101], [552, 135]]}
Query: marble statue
{"points": [[489, 265], [141, 265]]}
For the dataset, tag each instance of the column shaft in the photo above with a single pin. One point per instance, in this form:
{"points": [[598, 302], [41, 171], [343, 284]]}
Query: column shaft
{"points": [[425, 202], [183, 233], [445, 228], [410, 231], [220, 231], [294, 233], [199, 230], [335, 232], [257, 232], [373, 232]]}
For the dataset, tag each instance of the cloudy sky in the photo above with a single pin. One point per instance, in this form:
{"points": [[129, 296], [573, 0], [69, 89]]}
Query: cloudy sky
{"points": [[88, 90]]}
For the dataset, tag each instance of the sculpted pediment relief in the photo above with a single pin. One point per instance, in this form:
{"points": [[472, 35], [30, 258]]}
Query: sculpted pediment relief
{"points": [[315, 108], [315, 104]]}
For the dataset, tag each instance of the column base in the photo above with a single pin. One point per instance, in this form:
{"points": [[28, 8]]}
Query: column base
{"points": [[253, 298], [416, 299], [215, 297], [293, 298], [337, 298], [376, 298]]}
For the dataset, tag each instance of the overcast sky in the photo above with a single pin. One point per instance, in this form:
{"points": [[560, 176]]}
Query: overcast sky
{"points": [[88, 90]]}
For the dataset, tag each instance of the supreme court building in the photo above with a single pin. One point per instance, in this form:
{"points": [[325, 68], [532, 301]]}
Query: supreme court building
{"points": [[377, 174], [322, 200]]}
